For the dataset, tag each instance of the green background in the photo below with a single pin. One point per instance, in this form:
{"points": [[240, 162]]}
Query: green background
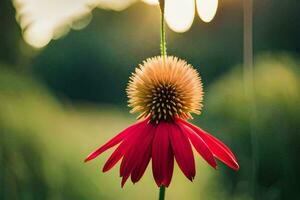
{"points": [[61, 102]]}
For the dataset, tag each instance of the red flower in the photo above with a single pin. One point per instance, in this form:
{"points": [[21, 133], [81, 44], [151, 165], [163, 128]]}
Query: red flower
{"points": [[162, 142], [165, 91]]}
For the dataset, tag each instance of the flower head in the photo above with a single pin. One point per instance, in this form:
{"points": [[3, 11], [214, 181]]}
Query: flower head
{"points": [[164, 88], [165, 91]]}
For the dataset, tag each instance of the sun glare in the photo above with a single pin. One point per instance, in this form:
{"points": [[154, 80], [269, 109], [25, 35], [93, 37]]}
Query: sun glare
{"points": [[207, 9], [44, 20], [38, 36], [180, 14], [151, 2]]}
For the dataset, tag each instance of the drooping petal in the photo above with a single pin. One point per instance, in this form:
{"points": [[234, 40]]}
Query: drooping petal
{"points": [[140, 169], [180, 14], [124, 179], [218, 142], [133, 155], [162, 155], [200, 146], [116, 156], [219, 149], [182, 151], [144, 147], [115, 140], [128, 161]]}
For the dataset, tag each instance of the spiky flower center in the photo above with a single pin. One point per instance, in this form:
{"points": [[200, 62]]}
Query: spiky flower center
{"points": [[164, 102], [165, 88]]}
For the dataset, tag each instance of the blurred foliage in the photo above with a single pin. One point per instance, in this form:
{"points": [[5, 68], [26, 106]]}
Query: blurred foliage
{"points": [[274, 141], [43, 142]]}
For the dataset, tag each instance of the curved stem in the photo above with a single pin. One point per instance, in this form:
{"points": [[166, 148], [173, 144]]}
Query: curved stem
{"points": [[162, 192]]}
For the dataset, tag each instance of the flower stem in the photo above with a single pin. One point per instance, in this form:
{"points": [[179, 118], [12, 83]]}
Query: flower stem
{"points": [[163, 51], [162, 192], [163, 44]]}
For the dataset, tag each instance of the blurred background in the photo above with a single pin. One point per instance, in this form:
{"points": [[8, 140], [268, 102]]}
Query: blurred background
{"points": [[64, 66]]}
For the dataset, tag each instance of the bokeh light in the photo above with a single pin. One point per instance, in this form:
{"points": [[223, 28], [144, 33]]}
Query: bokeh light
{"points": [[44, 20], [38, 36], [151, 2], [180, 14], [207, 9]]}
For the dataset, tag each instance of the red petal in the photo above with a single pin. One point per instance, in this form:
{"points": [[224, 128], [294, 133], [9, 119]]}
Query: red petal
{"points": [[162, 156], [124, 179], [116, 156], [219, 149], [144, 148], [133, 156], [183, 151], [128, 159], [200, 145], [140, 169], [221, 144], [114, 141]]}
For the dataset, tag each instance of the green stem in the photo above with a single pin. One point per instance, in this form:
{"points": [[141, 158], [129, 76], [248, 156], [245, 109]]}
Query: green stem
{"points": [[163, 51], [163, 44], [162, 192]]}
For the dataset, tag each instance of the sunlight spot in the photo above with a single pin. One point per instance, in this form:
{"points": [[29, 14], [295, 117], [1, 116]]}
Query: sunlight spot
{"points": [[207, 9], [151, 2], [180, 14], [38, 36]]}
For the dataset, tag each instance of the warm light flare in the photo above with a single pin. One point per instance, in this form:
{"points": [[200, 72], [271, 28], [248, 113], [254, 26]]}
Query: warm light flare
{"points": [[207, 9], [44, 20], [180, 14], [38, 36], [151, 2]]}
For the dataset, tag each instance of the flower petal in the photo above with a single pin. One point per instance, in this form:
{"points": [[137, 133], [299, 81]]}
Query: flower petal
{"points": [[162, 156], [200, 146], [128, 161], [140, 169], [219, 149], [144, 147], [132, 157], [217, 141], [116, 140], [116, 156], [183, 151]]}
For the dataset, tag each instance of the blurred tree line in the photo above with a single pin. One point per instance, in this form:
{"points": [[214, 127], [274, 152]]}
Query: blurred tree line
{"points": [[94, 64]]}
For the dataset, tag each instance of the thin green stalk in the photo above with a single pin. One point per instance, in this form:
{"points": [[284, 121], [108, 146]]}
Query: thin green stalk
{"points": [[163, 44], [163, 51], [162, 192]]}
